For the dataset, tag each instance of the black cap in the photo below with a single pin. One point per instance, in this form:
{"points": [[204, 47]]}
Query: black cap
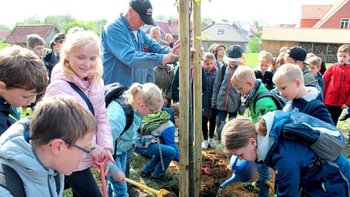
{"points": [[60, 37], [234, 53], [144, 9], [297, 53]]}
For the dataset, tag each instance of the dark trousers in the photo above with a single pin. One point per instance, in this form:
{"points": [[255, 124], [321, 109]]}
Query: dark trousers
{"points": [[83, 184], [212, 124], [222, 115], [335, 112]]}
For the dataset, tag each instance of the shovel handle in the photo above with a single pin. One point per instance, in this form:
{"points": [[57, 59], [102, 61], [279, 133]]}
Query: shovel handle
{"points": [[144, 187]]}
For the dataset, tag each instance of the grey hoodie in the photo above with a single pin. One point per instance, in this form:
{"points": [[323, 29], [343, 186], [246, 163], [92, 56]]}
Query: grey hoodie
{"points": [[17, 153]]}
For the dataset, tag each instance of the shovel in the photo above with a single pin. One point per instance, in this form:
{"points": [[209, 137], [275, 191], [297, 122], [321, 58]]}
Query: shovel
{"points": [[158, 193]]}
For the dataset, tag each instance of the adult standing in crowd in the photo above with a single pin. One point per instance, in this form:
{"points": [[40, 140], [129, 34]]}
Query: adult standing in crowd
{"points": [[128, 53]]}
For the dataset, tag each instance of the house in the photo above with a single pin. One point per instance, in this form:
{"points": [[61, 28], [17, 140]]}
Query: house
{"points": [[323, 28], [19, 34], [223, 33], [322, 42], [4, 34]]}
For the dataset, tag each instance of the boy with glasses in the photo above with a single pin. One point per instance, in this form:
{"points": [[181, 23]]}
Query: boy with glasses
{"points": [[54, 148]]}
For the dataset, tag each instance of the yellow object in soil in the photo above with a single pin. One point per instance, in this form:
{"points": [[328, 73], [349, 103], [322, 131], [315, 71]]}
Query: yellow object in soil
{"points": [[158, 193]]}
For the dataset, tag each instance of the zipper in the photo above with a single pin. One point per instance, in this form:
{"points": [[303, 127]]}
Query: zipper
{"points": [[228, 91], [341, 79]]}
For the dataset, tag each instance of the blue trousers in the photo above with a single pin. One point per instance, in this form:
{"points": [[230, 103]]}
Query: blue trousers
{"points": [[154, 164], [82, 184], [116, 188]]}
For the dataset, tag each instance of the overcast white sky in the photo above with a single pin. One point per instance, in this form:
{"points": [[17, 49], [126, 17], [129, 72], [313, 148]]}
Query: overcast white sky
{"points": [[272, 11]]}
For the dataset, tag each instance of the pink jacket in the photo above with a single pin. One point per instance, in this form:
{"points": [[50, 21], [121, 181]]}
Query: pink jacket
{"points": [[95, 93]]}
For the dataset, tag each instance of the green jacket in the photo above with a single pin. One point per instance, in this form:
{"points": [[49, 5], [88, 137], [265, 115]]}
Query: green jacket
{"points": [[262, 106]]}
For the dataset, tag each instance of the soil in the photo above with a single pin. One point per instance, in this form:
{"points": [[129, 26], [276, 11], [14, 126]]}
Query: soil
{"points": [[217, 164]]}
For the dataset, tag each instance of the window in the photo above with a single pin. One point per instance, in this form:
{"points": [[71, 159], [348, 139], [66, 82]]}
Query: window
{"points": [[220, 32], [344, 23]]}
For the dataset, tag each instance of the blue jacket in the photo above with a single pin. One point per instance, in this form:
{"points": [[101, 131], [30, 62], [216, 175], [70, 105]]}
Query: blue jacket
{"points": [[126, 59], [8, 115], [117, 119], [293, 163]]}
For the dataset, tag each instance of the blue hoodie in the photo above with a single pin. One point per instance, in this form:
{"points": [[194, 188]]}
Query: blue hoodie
{"points": [[291, 161]]}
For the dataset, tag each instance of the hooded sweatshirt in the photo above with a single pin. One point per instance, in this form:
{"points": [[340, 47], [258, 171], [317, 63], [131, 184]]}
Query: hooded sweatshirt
{"points": [[16, 152]]}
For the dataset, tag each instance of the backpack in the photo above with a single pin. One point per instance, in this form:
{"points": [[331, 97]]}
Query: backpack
{"points": [[114, 92], [10, 180], [279, 100], [154, 121], [324, 139]]}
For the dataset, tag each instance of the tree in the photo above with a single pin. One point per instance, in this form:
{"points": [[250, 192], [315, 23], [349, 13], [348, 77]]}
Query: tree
{"points": [[59, 20], [4, 27], [206, 22], [93, 25], [253, 45], [30, 20]]}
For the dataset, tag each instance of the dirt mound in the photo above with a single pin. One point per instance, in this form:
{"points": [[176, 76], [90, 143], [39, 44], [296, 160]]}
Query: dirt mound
{"points": [[218, 171]]}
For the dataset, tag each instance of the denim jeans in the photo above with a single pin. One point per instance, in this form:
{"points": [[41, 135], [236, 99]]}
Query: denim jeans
{"points": [[154, 164], [221, 120], [116, 188], [82, 184], [264, 175]]}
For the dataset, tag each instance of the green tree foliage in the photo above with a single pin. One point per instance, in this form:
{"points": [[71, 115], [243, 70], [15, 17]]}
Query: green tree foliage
{"points": [[206, 22], [93, 25], [4, 27], [59, 20], [254, 45], [3, 44], [30, 20]]}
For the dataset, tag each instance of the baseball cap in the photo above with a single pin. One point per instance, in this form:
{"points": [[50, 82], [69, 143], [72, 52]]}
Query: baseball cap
{"points": [[234, 53], [297, 53], [144, 9]]}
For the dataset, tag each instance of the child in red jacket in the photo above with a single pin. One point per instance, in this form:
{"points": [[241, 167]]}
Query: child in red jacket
{"points": [[337, 84]]}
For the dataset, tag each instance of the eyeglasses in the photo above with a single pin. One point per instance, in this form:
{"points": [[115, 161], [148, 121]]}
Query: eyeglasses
{"points": [[86, 151]]}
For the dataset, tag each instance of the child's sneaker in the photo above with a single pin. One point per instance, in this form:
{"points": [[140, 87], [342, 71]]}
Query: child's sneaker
{"points": [[205, 145], [212, 143]]}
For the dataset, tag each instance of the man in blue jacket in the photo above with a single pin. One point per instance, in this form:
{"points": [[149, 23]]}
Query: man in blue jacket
{"points": [[129, 55]]}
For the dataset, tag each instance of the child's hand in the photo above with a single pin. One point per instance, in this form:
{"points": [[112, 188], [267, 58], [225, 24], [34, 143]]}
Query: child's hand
{"points": [[99, 154], [119, 176], [344, 106]]}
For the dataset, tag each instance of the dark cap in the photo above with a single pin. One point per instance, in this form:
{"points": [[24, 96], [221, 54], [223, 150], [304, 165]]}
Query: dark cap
{"points": [[144, 9], [234, 53], [297, 53], [60, 37]]}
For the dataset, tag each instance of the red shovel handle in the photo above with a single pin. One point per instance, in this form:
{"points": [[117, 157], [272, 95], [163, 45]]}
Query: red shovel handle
{"points": [[102, 176]]}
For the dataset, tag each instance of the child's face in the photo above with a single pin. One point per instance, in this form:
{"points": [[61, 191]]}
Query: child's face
{"points": [[220, 52], [18, 97], [248, 152], [177, 121], [82, 60], [288, 89], [208, 64], [243, 87], [343, 57], [264, 65], [314, 69], [71, 156], [38, 50]]}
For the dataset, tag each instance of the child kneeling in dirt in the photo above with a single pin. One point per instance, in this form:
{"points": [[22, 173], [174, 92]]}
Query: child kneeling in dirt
{"points": [[297, 167]]}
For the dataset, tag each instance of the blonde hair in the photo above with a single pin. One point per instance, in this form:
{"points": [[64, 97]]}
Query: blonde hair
{"points": [[79, 39], [289, 72], [315, 61], [265, 56], [236, 133], [345, 48], [150, 94], [208, 56], [243, 74]]}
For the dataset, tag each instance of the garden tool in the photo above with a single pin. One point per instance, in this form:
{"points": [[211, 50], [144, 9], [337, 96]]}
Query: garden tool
{"points": [[102, 176], [158, 193]]}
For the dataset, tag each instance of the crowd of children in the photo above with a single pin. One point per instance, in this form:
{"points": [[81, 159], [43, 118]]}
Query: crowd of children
{"points": [[72, 128]]}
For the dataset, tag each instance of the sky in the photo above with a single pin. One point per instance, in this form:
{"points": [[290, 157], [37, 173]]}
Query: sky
{"points": [[271, 11]]}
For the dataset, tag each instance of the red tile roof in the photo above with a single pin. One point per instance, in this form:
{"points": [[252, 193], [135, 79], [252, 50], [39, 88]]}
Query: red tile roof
{"points": [[19, 33], [314, 11]]}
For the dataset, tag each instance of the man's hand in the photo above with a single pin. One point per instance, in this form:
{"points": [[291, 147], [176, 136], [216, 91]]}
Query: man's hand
{"points": [[170, 57]]}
